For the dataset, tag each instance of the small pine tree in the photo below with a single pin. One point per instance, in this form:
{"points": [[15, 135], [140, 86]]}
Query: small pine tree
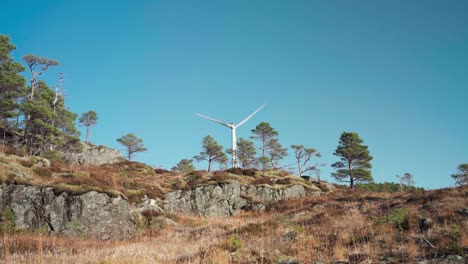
{"points": [[185, 165], [88, 119], [132, 143], [212, 151], [461, 177]]}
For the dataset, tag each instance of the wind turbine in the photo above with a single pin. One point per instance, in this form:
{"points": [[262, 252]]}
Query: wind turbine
{"points": [[233, 127]]}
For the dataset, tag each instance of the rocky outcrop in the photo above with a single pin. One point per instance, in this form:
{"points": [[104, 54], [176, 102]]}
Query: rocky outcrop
{"points": [[91, 214], [229, 198], [94, 155]]}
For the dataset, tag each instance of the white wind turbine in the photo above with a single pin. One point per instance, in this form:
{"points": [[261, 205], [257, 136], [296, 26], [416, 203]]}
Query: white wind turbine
{"points": [[233, 127]]}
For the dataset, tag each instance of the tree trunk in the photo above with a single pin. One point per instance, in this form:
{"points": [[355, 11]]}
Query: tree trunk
{"points": [[87, 134], [351, 179], [299, 168], [209, 165]]}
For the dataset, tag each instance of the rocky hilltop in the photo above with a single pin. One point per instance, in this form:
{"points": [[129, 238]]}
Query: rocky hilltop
{"points": [[93, 155], [98, 200]]}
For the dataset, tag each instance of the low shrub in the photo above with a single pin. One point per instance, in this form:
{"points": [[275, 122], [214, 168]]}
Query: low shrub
{"points": [[237, 171], [42, 172], [53, 156], [160, 171], [26, 163], [263, 180], [15, 151], [249, 172], [233, 244]]}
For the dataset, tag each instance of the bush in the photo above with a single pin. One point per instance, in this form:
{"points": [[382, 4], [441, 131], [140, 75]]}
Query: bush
{"points": [[42, 172], [53, 156], [26, 163], [237, 171], [249, 172], [263, 180], [220, 176], [233, 244], [400, 218], [15, 151], [161, 171]]}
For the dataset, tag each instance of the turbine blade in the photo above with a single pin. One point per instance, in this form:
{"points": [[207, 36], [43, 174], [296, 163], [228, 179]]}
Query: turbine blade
{"points": [[214, 120], [250, 116]]}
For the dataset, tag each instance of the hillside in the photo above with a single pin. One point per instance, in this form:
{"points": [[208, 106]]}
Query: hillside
{"points": [[327, 227]]}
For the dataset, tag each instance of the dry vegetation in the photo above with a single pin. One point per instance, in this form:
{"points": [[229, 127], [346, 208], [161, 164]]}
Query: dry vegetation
{"points": [[343, 227], [340, 227], [133, 180]]}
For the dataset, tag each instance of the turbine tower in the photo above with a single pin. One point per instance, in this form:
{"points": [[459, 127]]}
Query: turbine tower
{"points": [[233, 127]]}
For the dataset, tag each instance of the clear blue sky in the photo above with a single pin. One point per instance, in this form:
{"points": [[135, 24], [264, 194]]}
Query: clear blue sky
{"points": [[395, 72]]}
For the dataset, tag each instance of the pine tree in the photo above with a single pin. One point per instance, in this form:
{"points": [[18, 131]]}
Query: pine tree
{"points": [[212, 152], [88, 119], [185, 165], [11, 89], [461, 177], [271, 150], [48, 130], [246, 153], [133, 144], [354, 166]]}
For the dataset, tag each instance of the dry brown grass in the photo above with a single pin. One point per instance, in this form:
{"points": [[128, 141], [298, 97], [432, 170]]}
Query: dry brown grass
{"points": [[342, 227], [345, 226]]}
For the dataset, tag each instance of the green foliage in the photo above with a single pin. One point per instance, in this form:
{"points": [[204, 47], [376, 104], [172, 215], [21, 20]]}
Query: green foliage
{"points": [[246, 152], [88, 119], [132, 143], [46, 128], [185, 165], [276, 152], [53, 156], [389, 187], [11, 89], [8, 221], [355, 160], [399, 218], [212, 151], [234, 244], [461, 177], [271, 150]]}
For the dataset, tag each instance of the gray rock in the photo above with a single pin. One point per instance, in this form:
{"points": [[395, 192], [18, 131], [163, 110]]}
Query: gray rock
{"points": [[257, 207], [94, 155], [453, 259], [207, 200], [226, 199], [91, 214]]}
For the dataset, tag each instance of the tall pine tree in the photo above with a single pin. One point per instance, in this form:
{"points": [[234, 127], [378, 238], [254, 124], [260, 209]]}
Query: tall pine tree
{"points": [[354, 166], [11, 89]]}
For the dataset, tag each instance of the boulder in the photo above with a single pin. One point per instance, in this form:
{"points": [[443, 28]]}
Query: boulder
{"points": [[91, 214], [94, 155]]}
